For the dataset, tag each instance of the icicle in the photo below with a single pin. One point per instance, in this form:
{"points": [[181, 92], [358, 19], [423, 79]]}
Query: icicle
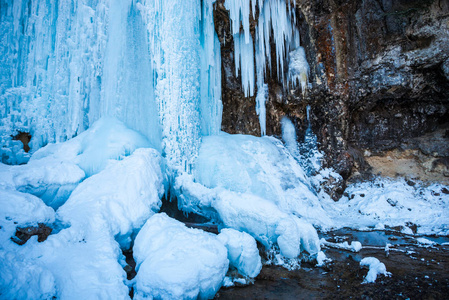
{"points": [[308, 115], [244, 61], [239, 12], [276, 22], [211, 105], [262, 87]]}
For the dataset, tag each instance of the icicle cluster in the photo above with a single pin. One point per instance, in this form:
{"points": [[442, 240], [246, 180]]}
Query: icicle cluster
{"points": [[276, 22]]}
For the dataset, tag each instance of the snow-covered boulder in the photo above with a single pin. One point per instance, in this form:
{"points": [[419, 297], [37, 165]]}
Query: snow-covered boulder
{"points": [[124, 195], [242, 251], [84, 260], [20, 278], [176, 262], [260, 166], [266, 223]]}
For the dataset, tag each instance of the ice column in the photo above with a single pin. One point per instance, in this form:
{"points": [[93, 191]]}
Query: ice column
{"points": [[211, 105], [174, 37]]}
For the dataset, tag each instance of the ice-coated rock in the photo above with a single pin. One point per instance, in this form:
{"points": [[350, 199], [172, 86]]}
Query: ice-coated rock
{"points": [[176, 262], [242, 251]]}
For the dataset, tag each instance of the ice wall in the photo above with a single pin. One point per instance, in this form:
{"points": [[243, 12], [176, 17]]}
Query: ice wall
{"points": [[155, 65]]}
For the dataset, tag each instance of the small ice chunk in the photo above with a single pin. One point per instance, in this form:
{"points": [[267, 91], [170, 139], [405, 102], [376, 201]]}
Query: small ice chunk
{"points": [[176, 262], [375, 268], [242, 251], [425, 242], [355, 246], [322, 259]]}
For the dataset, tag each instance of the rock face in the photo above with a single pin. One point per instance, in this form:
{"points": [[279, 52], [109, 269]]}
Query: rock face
{"points": [[379, 75]]}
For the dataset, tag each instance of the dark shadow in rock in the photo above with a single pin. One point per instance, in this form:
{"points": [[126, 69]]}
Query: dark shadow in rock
{"points": [[25, 138], [170, 207]]}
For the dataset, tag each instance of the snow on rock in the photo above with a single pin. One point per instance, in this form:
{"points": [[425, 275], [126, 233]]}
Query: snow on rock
{"points": [[425, 242], [355, 246], [242, 251], [176, 262], [391, 203], [266, 223], [260, 166], [50, 180], [24, 209], [21, 210], [375, 268], [20, 278], [322, 259]]}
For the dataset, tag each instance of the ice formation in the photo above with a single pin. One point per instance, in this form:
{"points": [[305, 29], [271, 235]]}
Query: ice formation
{"points": [[375, 268], [298, 69], [275, 22], [260, 166], [176, 262], [355, 246], [110, 58]]}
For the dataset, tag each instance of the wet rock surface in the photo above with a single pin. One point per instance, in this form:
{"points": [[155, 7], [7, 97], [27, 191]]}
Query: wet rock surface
{"points": [[378, 75], [418, 272]]}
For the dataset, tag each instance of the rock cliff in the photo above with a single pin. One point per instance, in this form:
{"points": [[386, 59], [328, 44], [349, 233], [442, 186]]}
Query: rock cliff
{"points": [[378, 85]]}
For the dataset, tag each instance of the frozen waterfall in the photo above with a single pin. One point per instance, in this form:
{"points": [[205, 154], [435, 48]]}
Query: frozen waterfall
{"points": [[66, 64]]}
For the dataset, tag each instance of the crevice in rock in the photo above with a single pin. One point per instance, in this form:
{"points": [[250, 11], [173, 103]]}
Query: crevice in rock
{"points": [[23, 234]]}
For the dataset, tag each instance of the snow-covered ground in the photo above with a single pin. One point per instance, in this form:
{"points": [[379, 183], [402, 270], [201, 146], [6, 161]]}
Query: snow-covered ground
{"points": [[103, 188], [388, 202]]}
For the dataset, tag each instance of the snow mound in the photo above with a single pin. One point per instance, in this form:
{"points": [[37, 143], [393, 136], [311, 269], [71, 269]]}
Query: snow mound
{"points": [[266, 223], [108, 138], [83, 260], [242, 251], [124, 195], [50, 180], [375, 268], [24, 209], [55, 170], [176, 262], [260, 166]]}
